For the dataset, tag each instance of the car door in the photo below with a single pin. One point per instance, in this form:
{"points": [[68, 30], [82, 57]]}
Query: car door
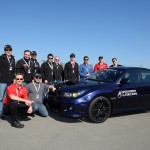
{"points": [[145, 86], [128, 95]]}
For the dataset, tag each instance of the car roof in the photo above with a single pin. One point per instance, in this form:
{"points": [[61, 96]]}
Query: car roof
{"points": [[127, 68]]}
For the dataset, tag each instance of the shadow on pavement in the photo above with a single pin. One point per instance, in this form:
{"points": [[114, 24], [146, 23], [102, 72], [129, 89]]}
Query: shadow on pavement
{"points": [[128, 113], [21, 117], [56, 116]]}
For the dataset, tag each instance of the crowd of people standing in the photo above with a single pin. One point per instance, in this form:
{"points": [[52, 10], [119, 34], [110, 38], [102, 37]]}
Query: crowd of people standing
{"points": [[23, 83]]}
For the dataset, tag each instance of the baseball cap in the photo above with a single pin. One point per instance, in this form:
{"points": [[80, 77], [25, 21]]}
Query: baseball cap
{"points": [[7, 46], [33, 53], [72, 55], [100, 57], [37, 75]]}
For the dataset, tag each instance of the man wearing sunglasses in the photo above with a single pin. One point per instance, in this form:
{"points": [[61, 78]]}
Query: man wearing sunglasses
{"points": [[7, 73], [47, 70], [115, 63], [17, 101], [36, 90], [35, 62], [85, 69]]}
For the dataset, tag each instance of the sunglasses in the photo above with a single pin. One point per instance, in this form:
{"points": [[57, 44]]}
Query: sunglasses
{"points": [[19, 78], [38, 77], [50, 58], [56, 59], [8, 50]]}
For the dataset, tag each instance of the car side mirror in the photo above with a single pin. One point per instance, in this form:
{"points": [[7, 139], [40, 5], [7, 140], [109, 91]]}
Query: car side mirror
{"points": [[124, 81]]}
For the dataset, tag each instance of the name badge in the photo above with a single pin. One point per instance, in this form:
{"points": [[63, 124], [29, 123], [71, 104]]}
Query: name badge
{"points": [[29, 71], [37, 96], [10, 68]]}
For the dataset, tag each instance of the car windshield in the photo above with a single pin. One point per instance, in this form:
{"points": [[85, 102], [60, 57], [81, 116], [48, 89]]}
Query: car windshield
{"points": [[106, 75]]}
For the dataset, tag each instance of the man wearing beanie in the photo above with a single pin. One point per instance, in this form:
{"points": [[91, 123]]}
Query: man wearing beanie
{"points": [[71, 70]]}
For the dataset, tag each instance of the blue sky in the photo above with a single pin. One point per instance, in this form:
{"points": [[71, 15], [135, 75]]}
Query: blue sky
{"points": [[108, 28]]}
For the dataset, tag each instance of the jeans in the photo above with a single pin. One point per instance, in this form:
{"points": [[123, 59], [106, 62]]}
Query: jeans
{"points": [[58, 81], [40, 109], [24, 83], [3, 87]]}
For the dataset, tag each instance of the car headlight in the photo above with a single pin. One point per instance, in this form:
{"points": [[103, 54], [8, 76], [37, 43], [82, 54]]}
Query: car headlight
{"points": [[72, 94]]}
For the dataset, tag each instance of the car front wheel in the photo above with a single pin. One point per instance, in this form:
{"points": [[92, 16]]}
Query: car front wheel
{"points": [[99, 109]]}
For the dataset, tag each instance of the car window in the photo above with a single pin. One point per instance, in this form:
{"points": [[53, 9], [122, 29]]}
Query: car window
{"points": [[145, 76], [132, 75], [108, 75]]}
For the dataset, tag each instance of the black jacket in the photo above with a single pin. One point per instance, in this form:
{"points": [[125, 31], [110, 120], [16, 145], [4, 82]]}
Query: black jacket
{"points": [[47, 72], [71, 74], [21, 67], [58, 72], [116, 66], [36, 66], [7, 75]]}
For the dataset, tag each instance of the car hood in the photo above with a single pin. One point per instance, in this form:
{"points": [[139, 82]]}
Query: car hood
{"points": [[88, 85]]}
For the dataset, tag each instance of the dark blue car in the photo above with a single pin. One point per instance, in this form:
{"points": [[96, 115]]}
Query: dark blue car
{"points": [[110, 91]]}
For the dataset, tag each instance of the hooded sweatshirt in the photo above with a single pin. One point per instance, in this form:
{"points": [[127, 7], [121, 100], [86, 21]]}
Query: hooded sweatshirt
{"points": [[7, 68]]}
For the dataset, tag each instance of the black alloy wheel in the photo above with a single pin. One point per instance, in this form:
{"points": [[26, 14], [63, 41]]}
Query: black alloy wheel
{"points": [[99, 109]]}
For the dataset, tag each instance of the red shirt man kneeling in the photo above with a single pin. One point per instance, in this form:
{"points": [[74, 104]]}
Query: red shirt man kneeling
{"points": [[16, 101]]}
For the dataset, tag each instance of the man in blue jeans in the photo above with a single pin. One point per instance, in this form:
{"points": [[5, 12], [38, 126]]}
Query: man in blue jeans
{"points": [[36, 90], [7, 73]]}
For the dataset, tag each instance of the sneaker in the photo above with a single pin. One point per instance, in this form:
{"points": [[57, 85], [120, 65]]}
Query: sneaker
{"points": [[17, 124], [31, 115]]}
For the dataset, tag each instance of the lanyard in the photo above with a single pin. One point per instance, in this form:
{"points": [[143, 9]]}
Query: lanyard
{"points": [[51, 66], [27, 63], [87, 68], [18, 92], [37, 89], [10, 63]]}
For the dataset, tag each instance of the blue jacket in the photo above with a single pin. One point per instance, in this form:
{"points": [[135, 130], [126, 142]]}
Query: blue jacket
{"points": [[85, 69]]}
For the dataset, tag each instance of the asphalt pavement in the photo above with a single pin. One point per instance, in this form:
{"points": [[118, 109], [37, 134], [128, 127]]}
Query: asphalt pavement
{"points": [[121, 132]]}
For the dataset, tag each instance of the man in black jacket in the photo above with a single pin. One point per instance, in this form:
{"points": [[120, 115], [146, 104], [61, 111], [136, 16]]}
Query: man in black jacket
{"points": [[47, 70], [71, 70], [7, 72], [26, 67], [35, 62], [59, 72], [115, 63]]}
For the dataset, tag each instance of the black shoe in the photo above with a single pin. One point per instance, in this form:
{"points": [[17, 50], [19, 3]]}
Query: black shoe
{"points": [[31, 115], [47, 105], [17, 124], [2, 116]]}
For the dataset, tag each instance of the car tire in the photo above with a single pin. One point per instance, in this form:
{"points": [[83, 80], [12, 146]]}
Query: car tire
{"points": [[99, 109]]}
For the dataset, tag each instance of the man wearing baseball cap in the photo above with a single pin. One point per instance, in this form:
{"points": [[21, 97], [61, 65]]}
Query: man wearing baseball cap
{"points": [[101, 65], [36, 89], [35, 62], [7, 72]]}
